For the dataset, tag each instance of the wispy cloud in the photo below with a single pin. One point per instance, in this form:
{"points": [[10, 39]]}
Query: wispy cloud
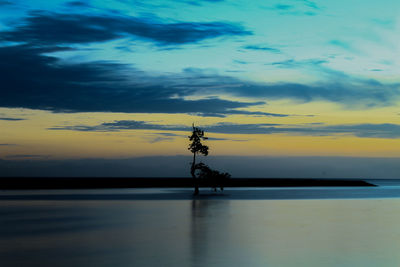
{"points": [[342, 44], [230, 128], [297, 8], [311, 4], [11, 119], [262, 48], [292, 63], [156, 139], [385, 130], [123, 125], [241, 62]]}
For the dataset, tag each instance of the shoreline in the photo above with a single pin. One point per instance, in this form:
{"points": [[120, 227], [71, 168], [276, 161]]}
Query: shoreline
{"points": [[29, 183]]}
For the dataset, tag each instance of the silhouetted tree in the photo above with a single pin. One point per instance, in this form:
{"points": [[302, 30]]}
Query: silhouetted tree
{"points": [[196, 147], [211, 177]]}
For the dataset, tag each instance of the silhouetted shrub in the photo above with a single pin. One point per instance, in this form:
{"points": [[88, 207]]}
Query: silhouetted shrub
{"points": [[212, 177]]}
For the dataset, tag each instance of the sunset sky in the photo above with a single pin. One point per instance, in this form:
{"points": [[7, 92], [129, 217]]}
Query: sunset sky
{"points": [[126, 78]]}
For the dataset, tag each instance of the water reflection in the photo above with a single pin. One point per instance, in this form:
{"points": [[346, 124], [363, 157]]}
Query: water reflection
{"points": [[209, 221], [207, 231]]}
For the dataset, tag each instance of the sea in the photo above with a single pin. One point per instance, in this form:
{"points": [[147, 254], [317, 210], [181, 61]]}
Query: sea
{"points": [[314, 226]]}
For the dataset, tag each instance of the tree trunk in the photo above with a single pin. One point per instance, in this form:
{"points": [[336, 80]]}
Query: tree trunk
{"points": [[192, 172]]}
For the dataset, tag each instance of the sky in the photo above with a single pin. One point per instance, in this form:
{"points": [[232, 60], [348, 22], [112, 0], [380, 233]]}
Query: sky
{"points": [[125, 79]]}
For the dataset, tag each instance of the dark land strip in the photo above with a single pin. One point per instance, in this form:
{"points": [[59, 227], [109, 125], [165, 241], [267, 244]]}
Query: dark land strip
{"points": [[20, 183]]}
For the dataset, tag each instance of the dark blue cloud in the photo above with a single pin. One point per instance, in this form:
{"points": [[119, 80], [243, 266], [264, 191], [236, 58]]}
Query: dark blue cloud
{"points": [[78, 4], [226, 139], [239, 112], [49, 84], [11, 119], [348, 91], [283, 7], [241, 62], [199, 2], [233, 128], [385, 130], [31, 79], [6, 3], [351, 94], [291, 63], [311, 4], [59, 29], [122, 125], [142, 125], [262, 48]]}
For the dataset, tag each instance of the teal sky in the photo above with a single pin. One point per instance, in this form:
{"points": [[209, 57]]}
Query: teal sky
{"points": [[283, 41], [126, 78]]}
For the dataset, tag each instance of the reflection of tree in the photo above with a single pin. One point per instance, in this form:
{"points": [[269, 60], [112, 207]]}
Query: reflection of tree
{"points": [[209, 219]]}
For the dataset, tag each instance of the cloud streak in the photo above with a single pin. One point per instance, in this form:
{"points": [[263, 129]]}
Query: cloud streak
{"points": [[11, 119], [291, 63], [301, 8], [386, 130], [262, 48]]}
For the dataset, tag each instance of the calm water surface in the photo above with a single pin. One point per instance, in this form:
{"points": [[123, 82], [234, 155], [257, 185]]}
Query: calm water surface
{"points": [[166, 227]]}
